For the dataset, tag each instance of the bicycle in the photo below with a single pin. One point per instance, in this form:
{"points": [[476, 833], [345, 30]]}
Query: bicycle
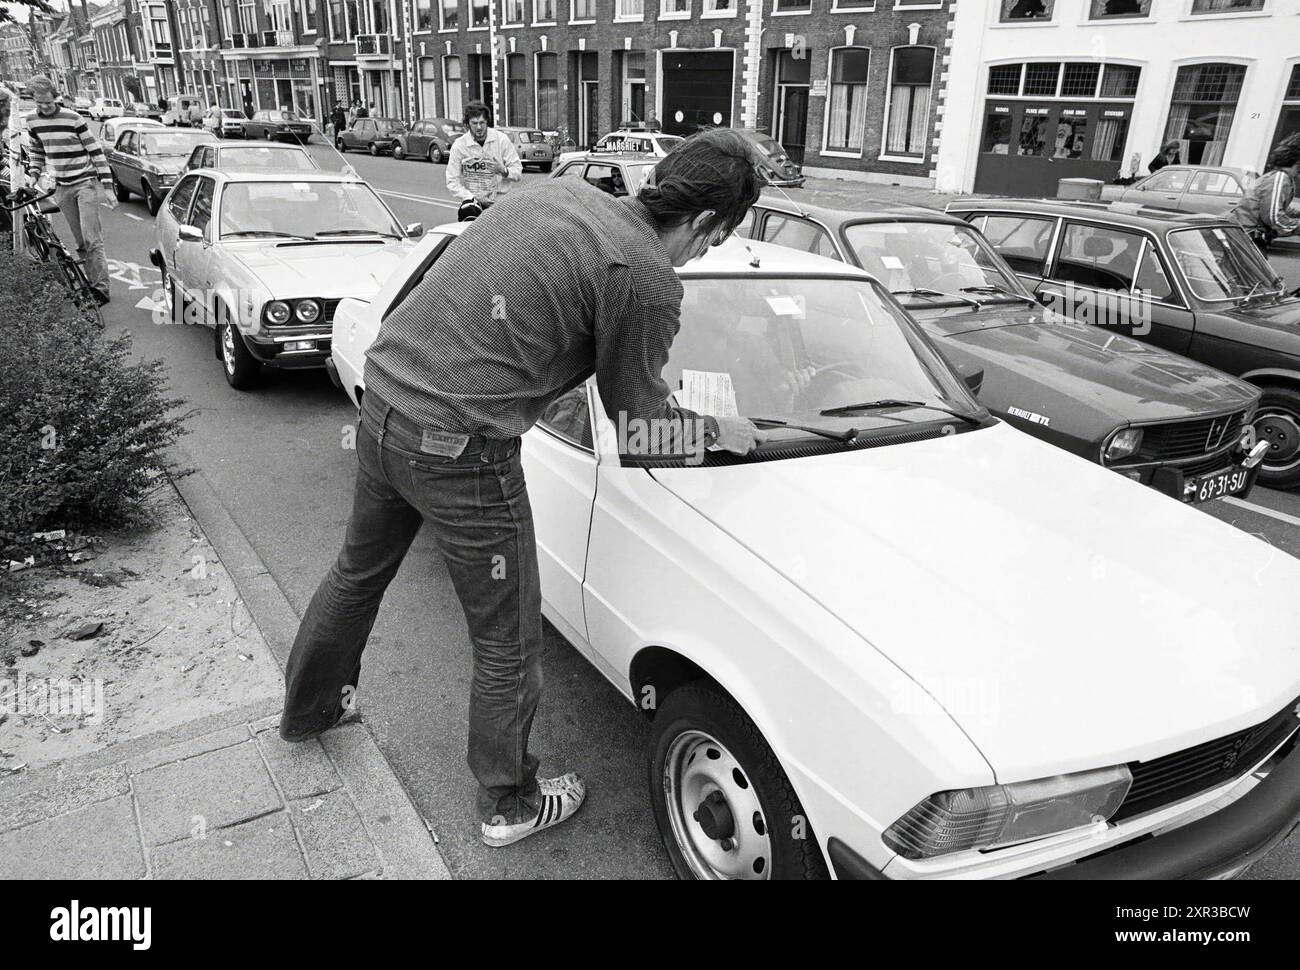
{"points": [[43, 242]]}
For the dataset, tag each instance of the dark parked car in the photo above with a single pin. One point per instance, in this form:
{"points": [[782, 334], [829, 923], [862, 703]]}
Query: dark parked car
{"points": [[147, 161], [1153, 416], [276, 124], [615, 174], [375, 135], [429, 138], [775, 165], [1204, 288]]}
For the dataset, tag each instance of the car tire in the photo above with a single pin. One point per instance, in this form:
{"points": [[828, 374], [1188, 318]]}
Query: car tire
{"points": [[374, 149], [703, 744], [398, 153], [435, 154], [243, 371], [151, 201], [1278, 422], [120, 191], [170, 303]]}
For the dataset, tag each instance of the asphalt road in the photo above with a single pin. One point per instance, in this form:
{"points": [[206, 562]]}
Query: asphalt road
{"points": [[276, 456]]}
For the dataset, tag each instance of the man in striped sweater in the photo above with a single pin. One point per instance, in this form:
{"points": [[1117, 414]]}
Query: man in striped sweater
{"points": [[62, 146]]}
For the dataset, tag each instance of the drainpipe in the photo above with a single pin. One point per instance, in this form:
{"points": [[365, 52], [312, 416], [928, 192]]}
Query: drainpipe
{"points": [[408, 60], [492, 49], [753, 64]]}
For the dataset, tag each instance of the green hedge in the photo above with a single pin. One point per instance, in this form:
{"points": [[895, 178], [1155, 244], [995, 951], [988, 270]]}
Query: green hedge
{"points": [[83, 430]]}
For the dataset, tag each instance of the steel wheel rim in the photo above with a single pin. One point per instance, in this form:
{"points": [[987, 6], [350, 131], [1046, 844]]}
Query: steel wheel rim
{"points": [[228, 348], [696, 769], [1281, 429], [435, 155]]}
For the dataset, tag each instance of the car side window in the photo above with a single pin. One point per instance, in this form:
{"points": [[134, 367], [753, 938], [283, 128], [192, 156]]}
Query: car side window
{"points": [[746, 225], [1166, 182], [179, 200], [1152, 280], [569, 417], [1098, 257], [607, 178], [797, 234], [1214, 183], [1021, 240], [570, 170], [201, 213], [126, 144]]}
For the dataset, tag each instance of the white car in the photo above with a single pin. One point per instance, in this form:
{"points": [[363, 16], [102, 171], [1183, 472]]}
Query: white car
{"points": [[224, 122], [106, 108], [942, 648], [111, 129], [265, 258], [629, 140]]}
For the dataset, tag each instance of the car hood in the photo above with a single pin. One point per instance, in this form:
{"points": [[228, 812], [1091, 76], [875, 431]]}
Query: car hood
{"points": [[1079, 375], [1098, 621], [1282, 315], [327, 270]]}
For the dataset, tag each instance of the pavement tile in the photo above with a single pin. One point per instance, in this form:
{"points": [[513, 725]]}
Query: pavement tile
{"points": [[265, 724], [333, 837], [264, 848], [302, 769], [223, 787], [187, 749], [66, 791], [96, 841]]}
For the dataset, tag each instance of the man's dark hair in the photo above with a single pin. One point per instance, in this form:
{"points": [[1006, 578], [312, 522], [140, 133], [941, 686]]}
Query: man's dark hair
{"points": [[477, 109], [1285, 153], [710, 170]]}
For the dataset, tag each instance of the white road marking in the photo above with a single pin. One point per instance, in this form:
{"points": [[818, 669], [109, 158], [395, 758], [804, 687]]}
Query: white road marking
{"points": [[150, 304], [1272, 514], [132, 215], [420, 198]]}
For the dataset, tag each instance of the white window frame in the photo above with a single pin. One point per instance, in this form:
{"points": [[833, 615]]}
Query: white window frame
{"points": [[665, 14], [884, 155], [868, 7], [537, 80], [623, 18], [435, 17], [460, 61], [469, 23], [826, 150], [442, 23], [1092, 21], [1189, 14], [555, 14], [711, 12], [511, 121], [790, 13], [573, 3], [513, 24]]}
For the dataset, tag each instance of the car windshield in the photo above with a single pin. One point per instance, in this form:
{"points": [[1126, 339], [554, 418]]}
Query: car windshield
{"points": [[391, 123], [231, 113], [531, 137], [303, 209], [172, 142], [790, 348], [256, 158], [911, 256], [285, 116], [1221, 263], [453, 129]]}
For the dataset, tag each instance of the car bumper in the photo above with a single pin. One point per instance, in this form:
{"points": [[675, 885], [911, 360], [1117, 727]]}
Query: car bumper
{"points": [[1180, 481], [1214, 846], [278, 351]]}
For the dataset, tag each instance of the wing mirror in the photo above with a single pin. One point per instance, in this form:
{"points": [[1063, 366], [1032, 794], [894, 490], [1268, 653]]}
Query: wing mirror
{"points": [[414, 230], [191, 234]]}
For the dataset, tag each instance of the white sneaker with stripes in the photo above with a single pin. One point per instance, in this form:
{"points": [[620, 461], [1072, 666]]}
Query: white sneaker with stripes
{"points": [[561, 797]]}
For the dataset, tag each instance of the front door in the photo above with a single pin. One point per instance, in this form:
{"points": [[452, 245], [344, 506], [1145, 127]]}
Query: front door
{"points": [[697, 88], [590, 112], [794, 121]]}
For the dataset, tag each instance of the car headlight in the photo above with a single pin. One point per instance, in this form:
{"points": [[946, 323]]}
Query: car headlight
{"points": [[981, 818], [1122, 444], [277, 311], [307, 311]]}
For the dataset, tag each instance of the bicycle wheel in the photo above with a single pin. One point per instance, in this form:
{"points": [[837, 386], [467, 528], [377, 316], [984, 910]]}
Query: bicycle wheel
{"points": [[36, 241], [79, 288]]}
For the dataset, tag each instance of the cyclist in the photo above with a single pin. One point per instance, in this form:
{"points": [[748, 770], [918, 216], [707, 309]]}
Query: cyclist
{"points": [[63, 148], [480, 163]]}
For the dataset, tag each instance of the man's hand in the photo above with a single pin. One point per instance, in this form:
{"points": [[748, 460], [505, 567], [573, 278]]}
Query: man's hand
{"points": [[106, 195], [738, 435]]}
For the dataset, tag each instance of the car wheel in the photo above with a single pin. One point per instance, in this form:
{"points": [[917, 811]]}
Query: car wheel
{"points": [[398, 152], [341, 145], [120, 191], [243, 371], [435, 154], [1278, 422], [724, 807], [151, 201], [374, 148]]}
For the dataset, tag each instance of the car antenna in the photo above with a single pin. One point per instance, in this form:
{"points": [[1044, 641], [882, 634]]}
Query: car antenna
{"points": [[753, 260], [797, 207]]}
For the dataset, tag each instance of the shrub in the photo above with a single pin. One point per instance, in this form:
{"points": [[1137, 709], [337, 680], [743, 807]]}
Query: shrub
{"points": [[83, 430]]}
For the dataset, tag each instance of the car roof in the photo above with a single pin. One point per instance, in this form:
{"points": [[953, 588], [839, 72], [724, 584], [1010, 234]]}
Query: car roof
{"points": [[603, 157], [253, 143], [1119, 213], [1240, 172], [293, 176], [872, 212]]}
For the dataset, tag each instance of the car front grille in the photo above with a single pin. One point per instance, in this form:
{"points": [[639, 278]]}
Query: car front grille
{"points": [[1190, 439], [330, 306], [1185, 773]]}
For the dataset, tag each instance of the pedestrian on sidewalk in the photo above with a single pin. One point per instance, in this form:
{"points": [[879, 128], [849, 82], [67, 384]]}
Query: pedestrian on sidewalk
{"points": [[480, 163], [363, 111], [498, 328], [1168, 155], [1266, 211], [338, 119], [62, 146]]}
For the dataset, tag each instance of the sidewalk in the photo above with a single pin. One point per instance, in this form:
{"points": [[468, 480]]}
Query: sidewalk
{"points": [[220, 796]]}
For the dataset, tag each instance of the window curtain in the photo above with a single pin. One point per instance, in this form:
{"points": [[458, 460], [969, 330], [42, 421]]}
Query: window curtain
{"points": [[920, 119], [1103, 140], [848, 113], [1214, 150], [899, 102], [1178, 114]]}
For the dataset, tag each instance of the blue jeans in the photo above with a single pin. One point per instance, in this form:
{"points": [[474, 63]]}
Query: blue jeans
{"points": [[79, 204], [476, 504]]}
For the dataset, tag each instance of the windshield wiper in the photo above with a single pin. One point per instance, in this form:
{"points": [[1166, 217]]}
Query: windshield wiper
{"points": [[845, 436], [261, 232], [992, 288], [357, 232], [925, 291], [890, 402]]}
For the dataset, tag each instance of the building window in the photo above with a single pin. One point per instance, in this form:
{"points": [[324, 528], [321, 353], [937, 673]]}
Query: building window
{"points": [[582, 10], [450, 14], [247, 17], [478, 13], [1080, 80], [424, 15], [516, 99], [717, 7], [1041, 79], [543, 11], [512, 12], [1226, 6], [1016, 10], [911, 77], [1005, 79], [675, 8], [1120, 81], [379, 23], [848, 99], [792, 6], [548, 91], [1202, 109], [1117, 9], [452, 87], [629, 9], [428, 87]]}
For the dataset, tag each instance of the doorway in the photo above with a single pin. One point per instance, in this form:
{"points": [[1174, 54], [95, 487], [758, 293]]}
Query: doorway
{"points": [[790, 124], [697, 90]]}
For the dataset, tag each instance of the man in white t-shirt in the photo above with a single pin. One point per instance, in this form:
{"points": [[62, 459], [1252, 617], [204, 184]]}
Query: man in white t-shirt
{"points": [[480, 163]]}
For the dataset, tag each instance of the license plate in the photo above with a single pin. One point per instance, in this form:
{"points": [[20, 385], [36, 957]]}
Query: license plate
{"points": [[1230, 482]]}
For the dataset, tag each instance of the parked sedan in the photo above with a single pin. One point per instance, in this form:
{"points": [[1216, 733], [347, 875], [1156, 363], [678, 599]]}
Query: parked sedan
{"points": [[106, 108], [147, 162], [615, 174], [111, 129], [1199, 284], [374, 135], [1188, 188], [429, 138], [1151, 415], [276, 123], [533, 147], [264, 258], [808, 712], [224, 122], [251, 156]]}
